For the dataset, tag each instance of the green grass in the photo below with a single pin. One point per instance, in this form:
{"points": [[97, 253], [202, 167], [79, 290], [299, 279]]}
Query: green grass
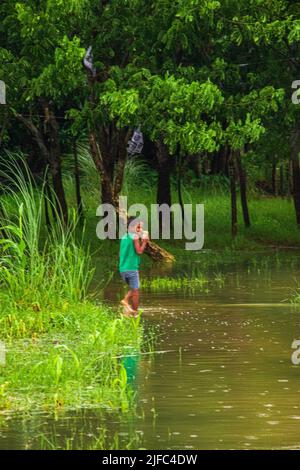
{"points": [[173, 284], [195, 282], [67, 358], [62, 348], [273, 221], [273, 226]]}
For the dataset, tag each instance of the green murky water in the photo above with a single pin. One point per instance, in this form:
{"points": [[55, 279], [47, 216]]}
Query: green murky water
{"points": [[221, 378]]}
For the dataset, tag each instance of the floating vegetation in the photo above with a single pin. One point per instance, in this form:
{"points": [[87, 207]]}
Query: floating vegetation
{"points": [[195, 282], [172, 284], [295, 298], [219, 279], [102, 441]]}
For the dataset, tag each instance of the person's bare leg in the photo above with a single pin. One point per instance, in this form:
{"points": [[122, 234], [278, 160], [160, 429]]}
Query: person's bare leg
{"points": [[128, 296], [125, 301], [135, 300]]}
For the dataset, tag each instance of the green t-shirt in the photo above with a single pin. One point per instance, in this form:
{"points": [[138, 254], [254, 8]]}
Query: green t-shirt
{"points": [[129, 259]]}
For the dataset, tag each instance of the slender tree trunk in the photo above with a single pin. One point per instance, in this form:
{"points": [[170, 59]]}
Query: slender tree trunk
{"points": [[281, 180], [206, 165], [163, 191], [179, 191], [61, 203], [106, 185], [164, 179], [164, 174], [232, 170], [274, 173], [295, 149], [197, 165], [219, 161], [289, 175], [179, 188], [243, 189], [52, 127], [77, 183], [4, 125], [46, 200], [223, 160], [214, 163], [121, 162], [49, 195]]}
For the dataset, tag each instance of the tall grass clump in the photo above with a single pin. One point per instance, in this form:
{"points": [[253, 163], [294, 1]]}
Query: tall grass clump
{"points": [[62, 348], [37, 267], [138, 174], [184, 283]]}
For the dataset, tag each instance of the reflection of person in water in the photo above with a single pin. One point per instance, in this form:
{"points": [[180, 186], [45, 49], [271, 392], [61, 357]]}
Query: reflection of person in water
{"points": [[130, 364]]}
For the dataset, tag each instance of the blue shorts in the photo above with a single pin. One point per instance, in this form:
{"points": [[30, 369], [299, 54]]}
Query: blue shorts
{"points": [[131, 278]]}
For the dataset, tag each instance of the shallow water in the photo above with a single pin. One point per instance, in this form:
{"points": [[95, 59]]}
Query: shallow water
{"points": [[221, 377]]}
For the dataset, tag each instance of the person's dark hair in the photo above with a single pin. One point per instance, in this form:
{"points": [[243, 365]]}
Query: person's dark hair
{"points": [[131, 219]]}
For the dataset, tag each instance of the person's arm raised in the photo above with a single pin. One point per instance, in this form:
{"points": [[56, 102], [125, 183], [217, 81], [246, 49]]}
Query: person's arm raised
{"points": [[140, 247]]}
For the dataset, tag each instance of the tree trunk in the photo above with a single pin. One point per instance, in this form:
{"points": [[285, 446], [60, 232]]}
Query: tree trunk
{"points": [[77, 183], [289, 175], [274, 172], [51, 156], [4, 125], [157, 253], [120, 162], [219, 161], [153, 250], [164, 180], [179, 191], [106, 186], [196, 164], [243, 189], [281, 179], [111, 187], [37, 136], [164, 186], [232, 171], [164, 174], [295, 149], [46, 199], [180, 168], [55, 165]]}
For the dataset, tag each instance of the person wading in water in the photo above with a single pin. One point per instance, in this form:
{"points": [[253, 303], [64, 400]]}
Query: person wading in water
{"points": [[133, 244]]}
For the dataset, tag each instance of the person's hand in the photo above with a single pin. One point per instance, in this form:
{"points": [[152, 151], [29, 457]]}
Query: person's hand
{"points": [[145, 236]]}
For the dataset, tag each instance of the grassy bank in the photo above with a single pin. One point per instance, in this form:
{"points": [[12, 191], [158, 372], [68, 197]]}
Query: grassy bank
{"points": [[66, 356], [59, 348], [273, 226]]}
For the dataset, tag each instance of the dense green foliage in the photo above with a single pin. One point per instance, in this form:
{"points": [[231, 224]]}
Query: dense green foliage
{"points": [[209, 83]]}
